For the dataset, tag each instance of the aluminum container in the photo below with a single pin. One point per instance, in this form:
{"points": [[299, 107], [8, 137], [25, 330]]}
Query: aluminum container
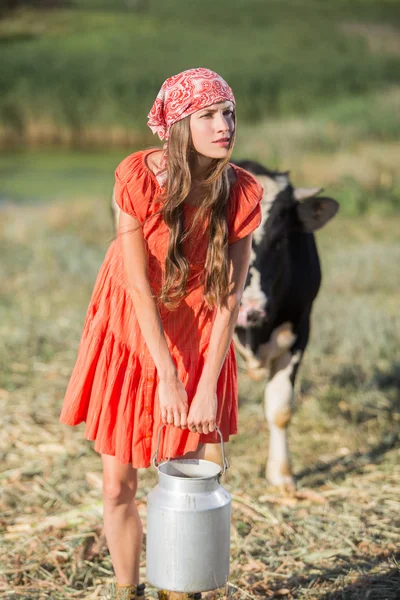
{"points": [[188, 525]]}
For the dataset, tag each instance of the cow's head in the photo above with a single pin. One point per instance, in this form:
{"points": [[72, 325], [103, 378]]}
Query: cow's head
{"points": [[286, 211]]}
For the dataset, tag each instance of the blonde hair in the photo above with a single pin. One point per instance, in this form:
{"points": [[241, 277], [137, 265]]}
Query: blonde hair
{"points": [[181, 155]]}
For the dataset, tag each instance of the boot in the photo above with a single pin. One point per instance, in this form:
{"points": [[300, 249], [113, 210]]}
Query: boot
{"points": [[164, 595], [127, 592]]}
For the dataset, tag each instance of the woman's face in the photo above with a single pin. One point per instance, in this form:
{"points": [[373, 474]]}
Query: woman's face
{"points": [[211, 124]]}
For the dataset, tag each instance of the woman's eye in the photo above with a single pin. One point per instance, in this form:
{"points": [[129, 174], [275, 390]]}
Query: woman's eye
{"points": [[210, 114]]}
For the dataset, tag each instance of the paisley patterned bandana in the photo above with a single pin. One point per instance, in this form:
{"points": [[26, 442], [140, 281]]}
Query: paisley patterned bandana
{"points": [[180, 96]]}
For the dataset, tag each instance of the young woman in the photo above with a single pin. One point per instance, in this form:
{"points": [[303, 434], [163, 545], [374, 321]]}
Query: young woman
{"points": [[156, 346]]}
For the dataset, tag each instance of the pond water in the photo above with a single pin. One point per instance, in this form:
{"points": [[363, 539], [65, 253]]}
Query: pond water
{"points": [[46, 175]]}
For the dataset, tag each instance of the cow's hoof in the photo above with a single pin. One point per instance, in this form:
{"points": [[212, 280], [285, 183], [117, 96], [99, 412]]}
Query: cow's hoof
{"points": [[284, 483], [288, 488], [285, 489]]}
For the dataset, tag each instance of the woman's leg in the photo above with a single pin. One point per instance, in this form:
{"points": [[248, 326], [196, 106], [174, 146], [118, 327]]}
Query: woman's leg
{"points": [[198, 453], [122, 525]]}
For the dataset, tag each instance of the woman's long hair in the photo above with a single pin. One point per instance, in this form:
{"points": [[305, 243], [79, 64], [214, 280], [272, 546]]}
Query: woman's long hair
{"points": [[215, 195]]}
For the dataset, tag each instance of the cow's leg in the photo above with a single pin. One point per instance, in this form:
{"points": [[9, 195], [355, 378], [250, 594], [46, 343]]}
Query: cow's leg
{"points": [[279, 400]]}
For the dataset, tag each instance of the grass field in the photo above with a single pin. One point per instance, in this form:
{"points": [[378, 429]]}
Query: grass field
{"points": [[336, 538], [87, 74]]}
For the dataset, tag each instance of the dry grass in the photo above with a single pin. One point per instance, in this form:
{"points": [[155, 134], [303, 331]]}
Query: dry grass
{"points": [[381, 39], [336, 538]]}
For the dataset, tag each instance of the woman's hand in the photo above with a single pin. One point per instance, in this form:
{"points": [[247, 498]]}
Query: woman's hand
{"points": [[173, 402], [203, 410]]}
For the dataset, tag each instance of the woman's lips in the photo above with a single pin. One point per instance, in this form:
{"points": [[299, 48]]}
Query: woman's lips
{"points": [[222, 142]]}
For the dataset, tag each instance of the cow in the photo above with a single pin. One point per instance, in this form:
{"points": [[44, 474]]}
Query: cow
{"points": [[283, 280]]}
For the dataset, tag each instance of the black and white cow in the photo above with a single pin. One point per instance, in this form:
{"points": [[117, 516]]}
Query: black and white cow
{"points": [[274, 320], [283, 281]]}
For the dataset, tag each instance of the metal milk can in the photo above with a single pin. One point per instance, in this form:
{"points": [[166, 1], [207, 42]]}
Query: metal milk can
{"points": [[188, 525]]}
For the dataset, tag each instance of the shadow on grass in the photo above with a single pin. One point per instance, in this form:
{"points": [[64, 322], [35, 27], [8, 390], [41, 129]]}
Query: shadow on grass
{"points": [[377, 586], [354, 376], [358, 395], [338, 468], [385, 586], [388, 380]]}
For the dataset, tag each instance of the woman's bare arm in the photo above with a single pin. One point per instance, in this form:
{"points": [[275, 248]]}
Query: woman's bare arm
{"points": [[226, 317], [173, 398], [202, 413]]}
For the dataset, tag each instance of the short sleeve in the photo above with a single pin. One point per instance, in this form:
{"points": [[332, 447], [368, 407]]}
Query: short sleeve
{"points": [[133, 187], [245, 214]]}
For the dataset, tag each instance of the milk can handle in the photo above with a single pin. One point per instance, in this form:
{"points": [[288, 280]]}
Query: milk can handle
{"points": [[225, 460]]}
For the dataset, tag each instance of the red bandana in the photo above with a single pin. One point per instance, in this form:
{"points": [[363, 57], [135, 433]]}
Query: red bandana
{"points": [[180, 96]]}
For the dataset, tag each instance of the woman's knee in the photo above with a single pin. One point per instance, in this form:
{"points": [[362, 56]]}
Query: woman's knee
{"points": [[119, 481]]}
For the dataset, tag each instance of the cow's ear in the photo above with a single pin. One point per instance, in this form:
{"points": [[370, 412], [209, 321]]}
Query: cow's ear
{"points": [[315, 212]]}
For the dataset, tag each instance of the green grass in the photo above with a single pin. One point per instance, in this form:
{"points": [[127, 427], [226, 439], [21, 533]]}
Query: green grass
{"points": [[317, 86], [96, 66], [47, 175]]}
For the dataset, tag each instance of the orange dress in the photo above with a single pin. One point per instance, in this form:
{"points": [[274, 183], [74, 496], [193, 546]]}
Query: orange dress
{"points": [[113, 386]]}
